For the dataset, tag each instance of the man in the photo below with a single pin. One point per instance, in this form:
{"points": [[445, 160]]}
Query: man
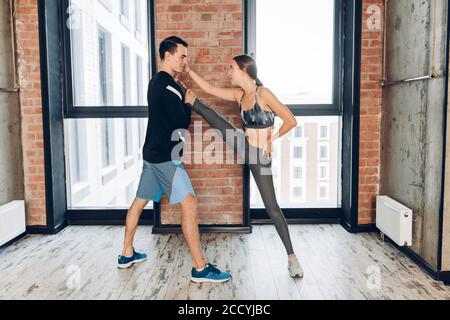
{"points": [[163, 172]]}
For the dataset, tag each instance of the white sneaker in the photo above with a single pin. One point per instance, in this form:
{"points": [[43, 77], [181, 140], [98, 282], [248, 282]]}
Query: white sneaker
{"points": [[295, 269]]}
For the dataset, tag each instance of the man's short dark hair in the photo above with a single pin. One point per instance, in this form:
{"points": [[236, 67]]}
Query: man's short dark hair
{"points": [[170, 45]]}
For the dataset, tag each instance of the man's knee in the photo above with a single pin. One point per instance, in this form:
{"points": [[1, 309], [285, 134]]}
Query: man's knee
{"points": [[189, 202], [139, 204]]}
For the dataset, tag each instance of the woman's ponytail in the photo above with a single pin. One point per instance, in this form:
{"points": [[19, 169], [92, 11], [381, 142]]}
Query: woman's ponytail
{"points": [[249, 65], [259, 83]]}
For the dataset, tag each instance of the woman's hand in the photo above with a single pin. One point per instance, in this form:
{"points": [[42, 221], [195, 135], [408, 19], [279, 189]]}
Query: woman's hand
{"points": [[268, 149], [229, 94], [187, 69], [190, 97]]}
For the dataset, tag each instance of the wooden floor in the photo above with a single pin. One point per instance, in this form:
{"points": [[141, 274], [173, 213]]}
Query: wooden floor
{"points": [[80, 263]]}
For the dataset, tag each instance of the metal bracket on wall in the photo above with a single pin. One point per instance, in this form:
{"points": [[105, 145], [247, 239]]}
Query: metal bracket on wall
{"points": [[434, 73], [9, 89]]}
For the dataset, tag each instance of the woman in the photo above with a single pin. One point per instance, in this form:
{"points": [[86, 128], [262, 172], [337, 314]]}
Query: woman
{"points": [[258, 106]]}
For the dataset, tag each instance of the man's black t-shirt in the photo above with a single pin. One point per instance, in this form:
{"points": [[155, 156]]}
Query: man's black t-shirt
{"points": [[167, 113]]}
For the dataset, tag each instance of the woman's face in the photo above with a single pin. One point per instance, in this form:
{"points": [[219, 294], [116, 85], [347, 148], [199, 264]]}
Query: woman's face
{"points": [[234, 73]]}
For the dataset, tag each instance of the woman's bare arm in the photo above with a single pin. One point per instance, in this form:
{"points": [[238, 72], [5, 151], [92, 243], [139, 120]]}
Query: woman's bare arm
{"points": [[229, 94], [288, 118]]}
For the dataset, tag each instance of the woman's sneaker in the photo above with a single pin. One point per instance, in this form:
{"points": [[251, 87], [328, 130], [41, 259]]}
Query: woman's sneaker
{"points": [[126, 262], [209, 274], [295, 269]]}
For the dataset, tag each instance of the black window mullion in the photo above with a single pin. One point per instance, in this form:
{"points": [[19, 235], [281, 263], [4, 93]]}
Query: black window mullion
{"points": [[66, 54]]}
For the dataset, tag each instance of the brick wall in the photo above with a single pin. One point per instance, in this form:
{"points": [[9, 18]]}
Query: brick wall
{"points": [[370, 120], [214, 31], [26, 24]]}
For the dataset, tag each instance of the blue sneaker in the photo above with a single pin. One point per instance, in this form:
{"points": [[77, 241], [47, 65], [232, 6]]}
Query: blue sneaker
{"points": [[126, 262], [209, 274]]}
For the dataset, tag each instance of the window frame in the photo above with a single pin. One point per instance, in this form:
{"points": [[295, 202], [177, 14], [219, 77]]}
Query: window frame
{"points": [[336, 107], [348, 30], [70, 110]]}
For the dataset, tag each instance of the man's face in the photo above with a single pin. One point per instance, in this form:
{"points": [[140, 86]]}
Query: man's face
{"points": [[178, 60], [234, 73]]}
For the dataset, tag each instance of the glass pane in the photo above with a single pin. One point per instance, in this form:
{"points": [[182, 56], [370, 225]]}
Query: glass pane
{"points": [[104, 162], [110, 52], [295, 49], [302, 178]]}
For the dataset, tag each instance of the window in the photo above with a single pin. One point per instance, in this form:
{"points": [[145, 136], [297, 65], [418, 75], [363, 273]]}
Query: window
{"points": [[137, 18], [142, 127], [77, 155], [298, 173], [129, 193], [323, 132], [323, 152], [297, 180], [124, 7], [125, 13], [126, 75], [93, 153], [107, 136], [323, 192], [298, 133], [274, 173], [298, 192], [313, 80], [107, 4], [311, 89], [298, 152], [100, 49], [128, 136], [103, 68], [107, 67], [112, 202], [274, 152], [323, 172], [296, 195], [139, 82]]}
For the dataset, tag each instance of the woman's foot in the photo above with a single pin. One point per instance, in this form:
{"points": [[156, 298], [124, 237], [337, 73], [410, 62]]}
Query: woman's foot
{"points": [[295, 269]]}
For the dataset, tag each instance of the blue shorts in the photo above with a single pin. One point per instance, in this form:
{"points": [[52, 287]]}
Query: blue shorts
{"points": [[169, 178]]}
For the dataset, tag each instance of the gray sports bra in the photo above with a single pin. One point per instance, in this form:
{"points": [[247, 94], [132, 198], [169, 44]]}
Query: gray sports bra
{"points": [[256, 117]]}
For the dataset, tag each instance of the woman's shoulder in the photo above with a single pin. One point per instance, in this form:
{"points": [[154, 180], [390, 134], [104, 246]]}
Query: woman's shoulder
{"points": [[263, 90]]}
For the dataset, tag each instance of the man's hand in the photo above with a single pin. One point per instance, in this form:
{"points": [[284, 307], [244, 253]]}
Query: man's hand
{"points": [[190, 97], [184, 88]]}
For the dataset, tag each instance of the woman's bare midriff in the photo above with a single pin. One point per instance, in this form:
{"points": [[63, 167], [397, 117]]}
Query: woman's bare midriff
{"points": [[260, 138]]}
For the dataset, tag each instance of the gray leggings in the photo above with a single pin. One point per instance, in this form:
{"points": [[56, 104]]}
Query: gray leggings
{"points": [[258, 163]]}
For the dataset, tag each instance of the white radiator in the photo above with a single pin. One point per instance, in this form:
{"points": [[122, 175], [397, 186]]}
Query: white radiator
{"points": [[394, 220], [12, 221]]}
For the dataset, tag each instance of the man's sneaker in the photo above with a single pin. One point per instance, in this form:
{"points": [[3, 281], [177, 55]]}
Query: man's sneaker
{"points": [[126, 262], [209, 274]]}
